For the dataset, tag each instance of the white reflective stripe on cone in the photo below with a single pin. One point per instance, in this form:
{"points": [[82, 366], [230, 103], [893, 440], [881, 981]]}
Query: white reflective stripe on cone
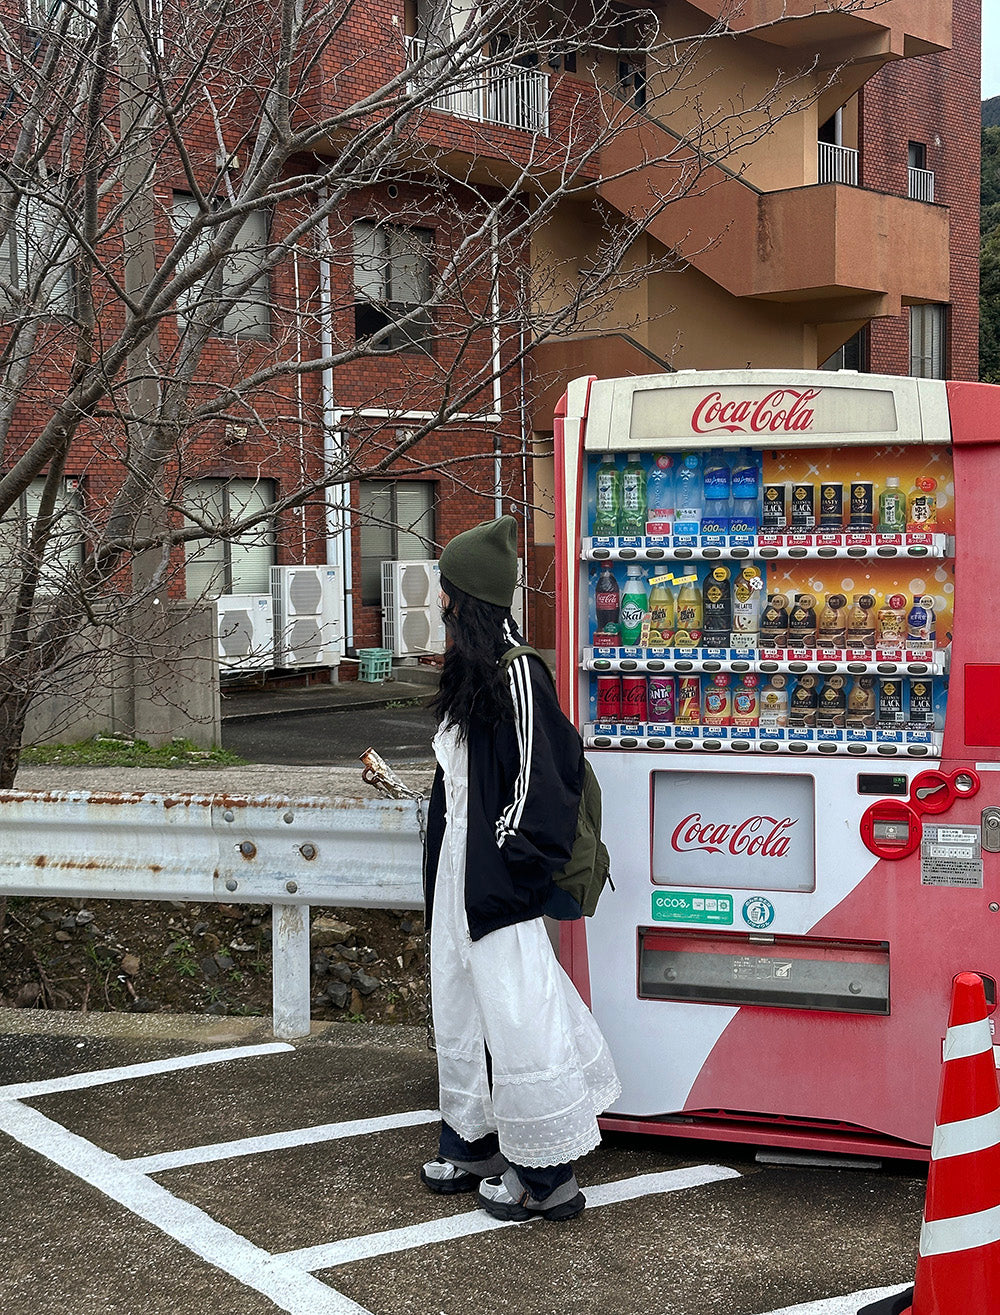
{"points": [[939, 1237], [966, 1135], [967, 1039]]}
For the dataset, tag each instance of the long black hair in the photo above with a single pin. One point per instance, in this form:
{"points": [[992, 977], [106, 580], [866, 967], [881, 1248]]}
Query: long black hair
{"points": [[472, 683]]}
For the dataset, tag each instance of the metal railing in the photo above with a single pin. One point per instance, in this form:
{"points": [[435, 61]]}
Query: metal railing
{"points": [[920, 184], [511, 96], [838, 164], [289, 853]]}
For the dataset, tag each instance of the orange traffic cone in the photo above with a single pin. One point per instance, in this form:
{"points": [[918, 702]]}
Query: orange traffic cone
{"points": [[958, 1268]]}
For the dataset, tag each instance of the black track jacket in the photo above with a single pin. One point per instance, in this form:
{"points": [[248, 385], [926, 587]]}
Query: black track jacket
{"points": [[525, 780]]}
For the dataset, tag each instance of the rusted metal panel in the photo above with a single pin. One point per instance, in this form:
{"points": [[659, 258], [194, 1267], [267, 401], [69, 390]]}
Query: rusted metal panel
{"points": [[361, 853]]}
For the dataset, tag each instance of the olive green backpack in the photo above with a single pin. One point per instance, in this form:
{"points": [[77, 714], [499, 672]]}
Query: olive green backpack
{"points": [[577, 887]]}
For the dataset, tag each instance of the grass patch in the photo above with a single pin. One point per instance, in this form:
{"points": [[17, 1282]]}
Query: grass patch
{"points": [[113, 751]]}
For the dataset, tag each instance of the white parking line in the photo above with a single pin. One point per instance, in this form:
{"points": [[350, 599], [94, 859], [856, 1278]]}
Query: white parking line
{"points": [[287, 1285], [279, 1141], [98, 1077], [329, 1254], [847, 1305]]}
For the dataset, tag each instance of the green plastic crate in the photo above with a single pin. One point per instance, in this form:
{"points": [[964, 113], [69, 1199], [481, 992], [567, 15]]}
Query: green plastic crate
{"points": [[376, 665]]}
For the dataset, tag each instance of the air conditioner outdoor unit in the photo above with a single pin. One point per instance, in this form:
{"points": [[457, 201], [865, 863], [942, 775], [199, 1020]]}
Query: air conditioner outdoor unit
{"points": [[245, 631], [411, 613], [308, 616]]}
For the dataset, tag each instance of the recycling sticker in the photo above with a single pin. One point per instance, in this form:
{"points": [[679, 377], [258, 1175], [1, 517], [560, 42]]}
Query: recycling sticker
{"points": [[692, 906]]}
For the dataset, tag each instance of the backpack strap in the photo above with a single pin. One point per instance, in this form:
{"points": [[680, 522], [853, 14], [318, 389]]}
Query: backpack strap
{"points": [[519, 651]]}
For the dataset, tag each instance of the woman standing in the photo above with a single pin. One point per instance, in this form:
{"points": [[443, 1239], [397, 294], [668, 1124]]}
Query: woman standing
{"points": [[523, 1069]]}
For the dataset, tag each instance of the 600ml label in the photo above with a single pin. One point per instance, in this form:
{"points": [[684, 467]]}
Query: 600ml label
{"points": [[691, 906]]}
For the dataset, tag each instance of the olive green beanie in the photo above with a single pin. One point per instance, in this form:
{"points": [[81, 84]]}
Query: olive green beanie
{"points": [[483, 561]]}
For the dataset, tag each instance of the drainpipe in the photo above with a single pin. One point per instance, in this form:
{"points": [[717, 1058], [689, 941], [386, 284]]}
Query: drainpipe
{"points": [[495, 364], [336, 497]]}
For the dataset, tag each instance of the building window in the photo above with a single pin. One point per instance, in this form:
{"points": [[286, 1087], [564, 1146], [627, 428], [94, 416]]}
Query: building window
{"points": [[397, 525], [249, 316], [927, 341], [64, 549], [632, 83], [916, 155], [852, 356], [242, 564], [36, 256], [393, 276]]}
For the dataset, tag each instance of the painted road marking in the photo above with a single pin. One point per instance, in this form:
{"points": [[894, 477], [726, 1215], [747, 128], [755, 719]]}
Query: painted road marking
{"points": [[98, 1077], [847, 1305], [291, 1288], [330, 1254], [279, 1141]]}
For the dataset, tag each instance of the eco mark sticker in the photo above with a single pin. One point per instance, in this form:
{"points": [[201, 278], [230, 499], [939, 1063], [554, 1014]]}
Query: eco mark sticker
{"points": [[758, 912], [688, 906]]}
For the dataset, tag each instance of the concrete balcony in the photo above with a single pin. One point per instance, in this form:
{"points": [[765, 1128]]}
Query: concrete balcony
{"points": [[511, 96], [839, 251], [903, 27]]}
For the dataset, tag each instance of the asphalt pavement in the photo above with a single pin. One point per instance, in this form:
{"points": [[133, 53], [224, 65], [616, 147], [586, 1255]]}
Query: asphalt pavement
{"points": [[176, 1165]]}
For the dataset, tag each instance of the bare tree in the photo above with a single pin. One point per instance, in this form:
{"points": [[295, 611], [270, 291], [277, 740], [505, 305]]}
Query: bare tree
{"points": [[210, 211]]}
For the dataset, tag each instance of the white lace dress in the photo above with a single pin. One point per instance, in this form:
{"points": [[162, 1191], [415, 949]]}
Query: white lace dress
{"points": [[552, 1070]]}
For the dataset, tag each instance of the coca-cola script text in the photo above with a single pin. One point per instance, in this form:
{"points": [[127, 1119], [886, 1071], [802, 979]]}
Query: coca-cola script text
{"points": [[760, 834], [783, 410]]}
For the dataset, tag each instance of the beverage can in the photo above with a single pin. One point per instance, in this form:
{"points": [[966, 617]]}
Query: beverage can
{"points": [[609, 698], [661, 698], [831, 506], [921, 704], [803, 509], [688, 700], [633, 698], [862, 505], [890, 702], [773, 515], [861, 622], [891, 622]]}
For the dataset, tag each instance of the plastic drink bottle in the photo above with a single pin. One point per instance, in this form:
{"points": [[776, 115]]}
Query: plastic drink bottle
{"points": [[774, 703], [687, 495], [661, 697], [607, 599], [716, 515], [861, 622], [660, 494], [745, 486], [890, 622], [746, 700], [717, 609], [832, 629], [832, 708], [892, 507], [861, 703], [802, 622], [661, 616], [607, 496], [921, 513], [632, 516], [921, 621], [718, 701], [633, 608], [688, 616], [802, 707], [774, 622], [748, 593]]}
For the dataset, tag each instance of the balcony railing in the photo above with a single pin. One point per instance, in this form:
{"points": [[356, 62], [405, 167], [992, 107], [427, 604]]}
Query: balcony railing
{"points": [[921, 185], [838, 164], [511, 96]]}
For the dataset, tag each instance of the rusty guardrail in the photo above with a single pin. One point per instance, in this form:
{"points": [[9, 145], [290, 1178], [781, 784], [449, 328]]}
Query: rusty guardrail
{"points": [[289, 853]]}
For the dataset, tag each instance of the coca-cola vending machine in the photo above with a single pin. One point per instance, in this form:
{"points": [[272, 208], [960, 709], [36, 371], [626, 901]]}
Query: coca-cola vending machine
{"points": [[778, 634]]}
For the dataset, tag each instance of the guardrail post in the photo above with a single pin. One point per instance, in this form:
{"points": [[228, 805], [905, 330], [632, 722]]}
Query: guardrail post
{"points": [[290, 969]]}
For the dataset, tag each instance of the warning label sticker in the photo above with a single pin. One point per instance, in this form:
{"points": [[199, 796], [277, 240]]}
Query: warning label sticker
{"points": [[951, 856]]}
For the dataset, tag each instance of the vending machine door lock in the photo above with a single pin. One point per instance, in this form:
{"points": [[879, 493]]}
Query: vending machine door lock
{"points": [[991, 830]]}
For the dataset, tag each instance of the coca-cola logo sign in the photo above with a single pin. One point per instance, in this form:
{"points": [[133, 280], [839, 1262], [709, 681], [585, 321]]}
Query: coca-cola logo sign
{"points": [[783, 410], [757, 835]]}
